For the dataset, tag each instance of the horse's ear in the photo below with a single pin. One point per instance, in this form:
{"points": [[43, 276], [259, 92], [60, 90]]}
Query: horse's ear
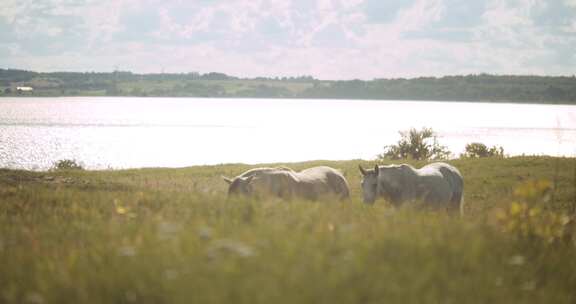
{"points": [[376, 169], [362, 170], [227, 180], [249, 179]]}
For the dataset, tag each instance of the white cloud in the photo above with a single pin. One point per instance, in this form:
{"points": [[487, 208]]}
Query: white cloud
{"points": [[9, 49], [102, 19], [571, 3], [11, 9], [332, 39], [502, 13], [421, 14]]}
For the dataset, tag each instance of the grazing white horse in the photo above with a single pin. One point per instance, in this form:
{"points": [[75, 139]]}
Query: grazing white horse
{"points": [[437, 185], [310, 184]]}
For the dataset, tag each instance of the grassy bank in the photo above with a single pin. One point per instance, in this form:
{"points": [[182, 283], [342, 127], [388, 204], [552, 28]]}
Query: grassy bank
{"points": [[170, 236]]}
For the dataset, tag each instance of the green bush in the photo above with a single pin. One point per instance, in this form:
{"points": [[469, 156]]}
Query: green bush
{"points": [[416, 145], [476, 150], [67, 164]]}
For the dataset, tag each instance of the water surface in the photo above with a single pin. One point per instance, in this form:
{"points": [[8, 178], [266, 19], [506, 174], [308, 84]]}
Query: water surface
{"points": [[103, 132]]}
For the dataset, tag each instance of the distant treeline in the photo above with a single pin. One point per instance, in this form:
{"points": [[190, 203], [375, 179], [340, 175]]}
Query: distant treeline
{"points": [[482, 87]]}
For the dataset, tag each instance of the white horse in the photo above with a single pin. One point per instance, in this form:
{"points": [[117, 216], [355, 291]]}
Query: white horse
{"points": [[310, 184], [437, 185]]}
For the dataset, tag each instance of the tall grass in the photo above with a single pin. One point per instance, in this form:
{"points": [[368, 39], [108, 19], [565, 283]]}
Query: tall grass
{"points": [[171, 236]]}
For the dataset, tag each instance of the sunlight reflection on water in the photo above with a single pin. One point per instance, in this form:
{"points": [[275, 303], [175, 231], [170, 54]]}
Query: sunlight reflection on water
{"points": [[174, 132]]}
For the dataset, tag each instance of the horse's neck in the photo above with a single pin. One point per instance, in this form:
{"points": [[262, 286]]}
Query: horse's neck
{"points": [[299, 178], [424, 171]]}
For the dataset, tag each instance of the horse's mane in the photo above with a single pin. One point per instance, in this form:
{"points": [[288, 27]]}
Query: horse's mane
{"points": [[282, 168], [256, 171]]}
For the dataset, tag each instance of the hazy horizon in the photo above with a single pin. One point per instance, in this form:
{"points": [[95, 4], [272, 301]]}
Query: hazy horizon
{"points": [[326, 39], [289, 76]]}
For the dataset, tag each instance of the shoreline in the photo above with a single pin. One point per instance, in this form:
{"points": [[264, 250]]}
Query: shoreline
{"points": [[483, 101], [364, 162]]}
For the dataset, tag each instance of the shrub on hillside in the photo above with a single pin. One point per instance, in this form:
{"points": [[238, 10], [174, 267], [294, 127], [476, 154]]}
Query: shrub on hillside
{"points": [[66, 164], [416, 145], [477, 150]]}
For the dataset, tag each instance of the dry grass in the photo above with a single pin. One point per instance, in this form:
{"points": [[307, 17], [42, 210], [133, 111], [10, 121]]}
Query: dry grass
{"points": [[170, 236]]}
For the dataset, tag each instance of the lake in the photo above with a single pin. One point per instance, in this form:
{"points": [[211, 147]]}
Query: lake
{"points": [[117, 132]]}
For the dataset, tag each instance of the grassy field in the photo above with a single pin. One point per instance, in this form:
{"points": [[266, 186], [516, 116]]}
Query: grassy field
{"points": [[171, 236]]}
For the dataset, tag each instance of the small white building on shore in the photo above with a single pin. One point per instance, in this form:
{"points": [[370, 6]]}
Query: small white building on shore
{"points": [[24, 89]]}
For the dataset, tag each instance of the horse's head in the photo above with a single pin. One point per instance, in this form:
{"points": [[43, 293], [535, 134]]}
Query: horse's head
{"points": [[239, 186], [392, 182], [369, 184]]}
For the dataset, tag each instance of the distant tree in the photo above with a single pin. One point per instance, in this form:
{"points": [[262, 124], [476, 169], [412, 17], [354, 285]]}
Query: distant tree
{"points": [[416, 145], [554, 93], [192, 76], [216, 76], [477, 150], [305, 78]]}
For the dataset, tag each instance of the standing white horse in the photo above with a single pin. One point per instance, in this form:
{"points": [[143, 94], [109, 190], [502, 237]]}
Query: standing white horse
{"points": [[310, 184], [437, 185]]}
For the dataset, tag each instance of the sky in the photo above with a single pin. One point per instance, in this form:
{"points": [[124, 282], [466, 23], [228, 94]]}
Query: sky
{"points": [[326, 39]]}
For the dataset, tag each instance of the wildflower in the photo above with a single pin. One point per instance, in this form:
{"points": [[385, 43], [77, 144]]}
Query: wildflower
{"points": [[528, 286], [330, 227], [121, 210], [170, 274], [205, 233], [230, 247], [127, 251], [168, 230], [517, 208], [34, 298], [517, 260]]}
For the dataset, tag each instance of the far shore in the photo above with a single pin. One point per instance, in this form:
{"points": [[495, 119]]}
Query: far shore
{"points": [[561, 102], [470, 88]]}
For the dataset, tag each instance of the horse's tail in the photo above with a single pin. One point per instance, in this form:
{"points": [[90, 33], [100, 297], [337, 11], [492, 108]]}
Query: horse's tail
{"points": [[462, 204], [345, 188], [456, 182], [345, 191], [339, 185]]}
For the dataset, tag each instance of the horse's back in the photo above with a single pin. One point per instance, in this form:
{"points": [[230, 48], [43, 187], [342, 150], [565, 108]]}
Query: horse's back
{"points": [[275, 182], [324, 180], [446, 171], [450, 178]]}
